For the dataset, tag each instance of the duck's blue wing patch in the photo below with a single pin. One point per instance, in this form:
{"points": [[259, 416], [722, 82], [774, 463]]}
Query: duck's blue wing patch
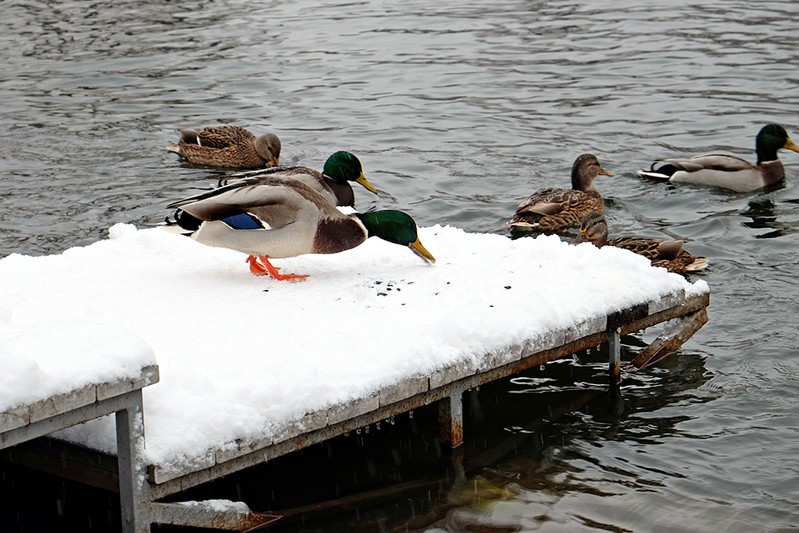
{"points": [[243, 221]]}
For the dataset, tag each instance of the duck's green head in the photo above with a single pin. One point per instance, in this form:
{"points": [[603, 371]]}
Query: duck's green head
{"points": [[771, 138], [343, 166], [397, 227]]}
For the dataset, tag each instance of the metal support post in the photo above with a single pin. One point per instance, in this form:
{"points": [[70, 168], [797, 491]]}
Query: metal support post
{"points": [[134, 489], [614, 355], [450, 420]]}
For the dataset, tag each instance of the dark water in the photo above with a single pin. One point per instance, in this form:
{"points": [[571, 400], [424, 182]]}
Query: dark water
{"points": [[458, 111]]}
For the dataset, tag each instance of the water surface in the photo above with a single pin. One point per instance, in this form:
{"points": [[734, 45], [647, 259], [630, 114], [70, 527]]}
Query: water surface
{"points": [[459, 110]]}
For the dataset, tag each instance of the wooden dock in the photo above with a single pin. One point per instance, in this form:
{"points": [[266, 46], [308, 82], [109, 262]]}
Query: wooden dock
{"points": [[121, 397], [141, 504]]}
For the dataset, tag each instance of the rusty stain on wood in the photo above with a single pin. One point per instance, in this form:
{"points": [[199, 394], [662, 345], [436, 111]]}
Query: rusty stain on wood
{"points": [[450, 420], [200, 514]]}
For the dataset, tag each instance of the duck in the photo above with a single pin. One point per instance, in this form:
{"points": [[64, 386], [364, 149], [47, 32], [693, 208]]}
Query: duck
{"points": [[269, 217], [668, 254], [227, 147], [556, 210], [333, 182], [727, 171]]}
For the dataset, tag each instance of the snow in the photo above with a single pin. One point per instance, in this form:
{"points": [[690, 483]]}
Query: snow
{"points": [[49, 358], [241, 356], [219, 506]]}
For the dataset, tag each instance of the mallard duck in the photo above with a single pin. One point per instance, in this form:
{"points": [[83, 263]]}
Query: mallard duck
{"points": [[668, 254], [227, 147], [559, 209], [270, 217], [727, 171], [333, 182]]}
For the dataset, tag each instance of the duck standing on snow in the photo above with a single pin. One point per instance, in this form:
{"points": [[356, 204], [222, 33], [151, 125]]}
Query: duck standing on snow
{"points": [[727, 171], [227, 147], [270, 217], [556, 210], [333, 182], [668, 254]]}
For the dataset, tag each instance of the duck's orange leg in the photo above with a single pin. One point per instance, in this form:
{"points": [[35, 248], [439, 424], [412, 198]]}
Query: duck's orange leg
{"points": [[260, 266]]}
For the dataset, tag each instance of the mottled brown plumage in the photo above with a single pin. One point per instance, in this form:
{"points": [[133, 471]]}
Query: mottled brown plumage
{"points": [[227, 147], [556, 210], [668, 254]]}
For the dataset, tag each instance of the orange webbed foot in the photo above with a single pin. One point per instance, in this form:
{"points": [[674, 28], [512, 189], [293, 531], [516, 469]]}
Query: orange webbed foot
{"points": [[260, 266], [256, 268]]}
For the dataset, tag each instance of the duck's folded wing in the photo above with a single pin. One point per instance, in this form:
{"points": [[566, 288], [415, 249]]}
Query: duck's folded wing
{"points": [[275, 203], [645, 247], [310, 177], [545, 202], [665, 168], [540, 208], [224, 136]]}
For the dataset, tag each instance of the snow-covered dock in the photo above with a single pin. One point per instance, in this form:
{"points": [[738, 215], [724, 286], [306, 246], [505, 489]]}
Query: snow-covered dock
{"points": [[50, 382], [252, 368]]}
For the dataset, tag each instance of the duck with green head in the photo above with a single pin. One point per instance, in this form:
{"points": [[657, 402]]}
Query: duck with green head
{"points": [[727, 171], [340, 169], [271, 217], [668, 254], [227, 147]]}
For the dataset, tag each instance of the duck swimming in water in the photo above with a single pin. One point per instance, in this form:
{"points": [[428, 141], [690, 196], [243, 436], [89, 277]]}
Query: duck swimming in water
{"points": [[727, 171], [556, 210], [227, 147]]}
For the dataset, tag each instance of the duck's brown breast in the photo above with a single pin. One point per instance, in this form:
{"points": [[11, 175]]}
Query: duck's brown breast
{"points": [[334, 235]]}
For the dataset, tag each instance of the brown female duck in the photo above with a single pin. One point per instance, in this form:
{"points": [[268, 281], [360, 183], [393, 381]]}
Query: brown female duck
{"points": [[227, 147], [555, 210], [668, 254]]}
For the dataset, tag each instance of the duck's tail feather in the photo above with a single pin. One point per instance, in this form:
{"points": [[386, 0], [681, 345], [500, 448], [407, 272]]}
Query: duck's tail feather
{"points": [[652, 174], [700, 263]]}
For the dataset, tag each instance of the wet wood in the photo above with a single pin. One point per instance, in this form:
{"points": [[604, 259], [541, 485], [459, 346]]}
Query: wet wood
{"points": [[671, 340]]}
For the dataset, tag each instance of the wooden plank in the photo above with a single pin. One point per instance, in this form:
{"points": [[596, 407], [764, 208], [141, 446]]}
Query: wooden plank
{"points": [[147, 376], [404, 389], [499, 357], [14, 418], [241, 447], [63, 420], [62, 403], [583, 329], [342, 412], [309, 422], [211, 515], [169, 471], [690, 305], [667, 301], [452, 373], [544, 341], [671, 340]]}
